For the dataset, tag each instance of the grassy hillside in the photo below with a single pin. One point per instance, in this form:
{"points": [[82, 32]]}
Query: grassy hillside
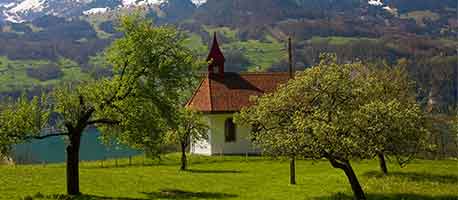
{"points": [[14, 75], [253, 35], [260, 54], [17, 75], [252, 40], [230, 178]]}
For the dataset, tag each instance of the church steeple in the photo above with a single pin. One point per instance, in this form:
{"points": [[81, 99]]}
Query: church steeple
{"points": [[216, 58]]}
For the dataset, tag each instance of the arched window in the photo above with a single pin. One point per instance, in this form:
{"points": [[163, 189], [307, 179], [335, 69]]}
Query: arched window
{"points": [[229, 130]]}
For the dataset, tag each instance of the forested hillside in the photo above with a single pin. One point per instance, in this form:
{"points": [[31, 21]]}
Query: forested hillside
{"points": [[46, 50]]}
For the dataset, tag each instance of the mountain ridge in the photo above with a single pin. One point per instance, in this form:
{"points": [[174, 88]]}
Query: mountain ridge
{"points": [[50, 49], [18, 11]]}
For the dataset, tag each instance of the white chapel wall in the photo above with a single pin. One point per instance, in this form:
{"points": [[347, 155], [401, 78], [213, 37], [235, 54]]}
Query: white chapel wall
{"points": [[216, 144], [202, 147], [242, 145]]}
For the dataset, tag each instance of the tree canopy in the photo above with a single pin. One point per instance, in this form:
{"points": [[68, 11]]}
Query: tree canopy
{"points": [[188, 126], [155, 68], [330, 111], [20, 120], [151, 68]]}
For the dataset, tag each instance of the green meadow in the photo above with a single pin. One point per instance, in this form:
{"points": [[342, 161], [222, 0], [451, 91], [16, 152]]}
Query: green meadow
{"points": [[229, 177]]}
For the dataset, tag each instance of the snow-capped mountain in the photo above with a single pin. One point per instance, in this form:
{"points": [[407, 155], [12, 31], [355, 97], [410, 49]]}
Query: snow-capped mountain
{"points": [[380, 3], [26, 10], [375, 2], [23, 10]]}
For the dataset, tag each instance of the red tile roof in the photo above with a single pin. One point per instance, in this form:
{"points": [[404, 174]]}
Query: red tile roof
{"points": [[231, 92]]}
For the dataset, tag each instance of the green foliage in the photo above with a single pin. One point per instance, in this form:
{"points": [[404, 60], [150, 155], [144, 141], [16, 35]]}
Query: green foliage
{"points": [[337, 111], [155, 69], [21, 119], [340, 40], [392, 117], [228, 33], [16, 75], [152, 70], [194, 41], [188, 124], [261, 55], [273, 127], [340, 112]]}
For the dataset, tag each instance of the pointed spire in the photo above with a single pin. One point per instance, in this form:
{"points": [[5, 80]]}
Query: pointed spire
{"points": [[216, 57]]}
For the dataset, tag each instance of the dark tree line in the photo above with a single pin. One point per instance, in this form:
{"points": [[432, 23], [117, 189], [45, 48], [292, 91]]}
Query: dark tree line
{"points": [[45, 72]]}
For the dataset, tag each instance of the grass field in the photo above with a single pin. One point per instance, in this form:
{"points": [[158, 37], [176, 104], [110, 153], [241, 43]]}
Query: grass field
{"points": [[340, 41], [230, 178]]}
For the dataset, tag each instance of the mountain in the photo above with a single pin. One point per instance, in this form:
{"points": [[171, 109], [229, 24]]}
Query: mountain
{"points": [[28, 10], [237, 10], [47, 42]]}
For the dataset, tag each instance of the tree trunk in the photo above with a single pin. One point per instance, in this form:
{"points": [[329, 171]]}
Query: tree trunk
{"points": [[292, 171], [383, 167], [73, 148], [183, 157], [355, 186]]}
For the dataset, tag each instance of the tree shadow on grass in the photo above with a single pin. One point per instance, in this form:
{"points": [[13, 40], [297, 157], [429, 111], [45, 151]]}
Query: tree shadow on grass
{"points": [[162, 194], [181, 194], [417, 177], [80, 197], [397, 196], [203, 171]]}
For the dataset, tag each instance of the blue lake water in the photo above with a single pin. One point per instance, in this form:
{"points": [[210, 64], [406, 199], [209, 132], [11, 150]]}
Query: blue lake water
{"points": [[52, 150]]}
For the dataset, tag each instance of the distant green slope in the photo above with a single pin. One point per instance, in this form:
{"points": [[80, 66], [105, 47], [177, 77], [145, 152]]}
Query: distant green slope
{"points": [[260, 54], [14, 77]]}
